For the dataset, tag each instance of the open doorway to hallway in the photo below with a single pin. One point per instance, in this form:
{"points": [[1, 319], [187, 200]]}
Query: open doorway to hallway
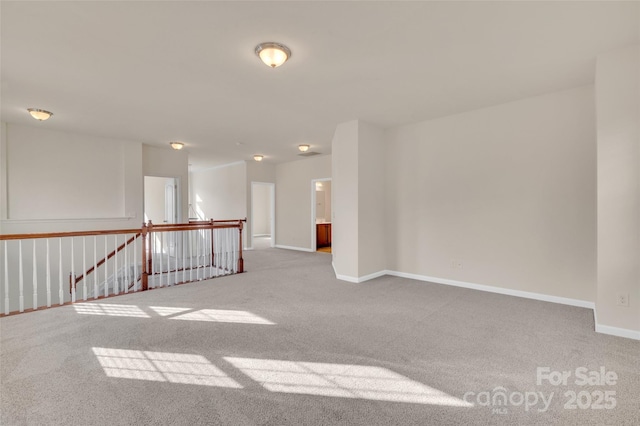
{"points": [[321, 214], [262, 227], [161, 195]]}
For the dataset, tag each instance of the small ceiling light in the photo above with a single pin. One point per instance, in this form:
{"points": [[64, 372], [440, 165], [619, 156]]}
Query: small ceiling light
{"points": [[39, 114], [258, 157], [303, 148], [273, 54], [176, 145]]}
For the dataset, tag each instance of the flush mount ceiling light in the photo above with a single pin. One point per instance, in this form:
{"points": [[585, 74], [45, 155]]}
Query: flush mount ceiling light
{"points": [[176, 145], [303, 148], [258, 157], [39, 114], [273, 54]]}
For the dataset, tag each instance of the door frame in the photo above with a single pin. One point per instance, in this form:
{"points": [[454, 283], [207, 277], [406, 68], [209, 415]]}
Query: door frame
{"points": [[314, 239], [272, 202]]}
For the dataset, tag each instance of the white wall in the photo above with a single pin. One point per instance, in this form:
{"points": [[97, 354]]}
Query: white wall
{"points": [[344, 245], [359, 243], [618, 112], [167, 162], [54, 175], [57, 181], [293, 200], [371, 198], [261, 209], [508, 192], [220, 193]]}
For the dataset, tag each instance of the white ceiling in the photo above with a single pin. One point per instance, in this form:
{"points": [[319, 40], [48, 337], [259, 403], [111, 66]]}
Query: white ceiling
{"points": [[159, 71]]}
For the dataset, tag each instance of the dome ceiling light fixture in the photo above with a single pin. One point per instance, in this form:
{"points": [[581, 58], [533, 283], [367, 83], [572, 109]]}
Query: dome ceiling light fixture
{"points": [[39, 114], [176, 145], [258, 157], [303, 148], [273, 54]]}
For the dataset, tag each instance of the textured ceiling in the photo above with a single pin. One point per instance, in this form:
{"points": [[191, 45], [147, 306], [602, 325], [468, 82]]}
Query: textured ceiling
{"points": [[159, 71]]}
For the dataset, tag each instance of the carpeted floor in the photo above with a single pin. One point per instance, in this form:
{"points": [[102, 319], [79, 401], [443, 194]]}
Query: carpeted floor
{"points": [[287, 344]]}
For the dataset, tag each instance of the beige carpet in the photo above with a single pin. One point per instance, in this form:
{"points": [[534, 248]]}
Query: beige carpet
{"points": [[288, 344]]}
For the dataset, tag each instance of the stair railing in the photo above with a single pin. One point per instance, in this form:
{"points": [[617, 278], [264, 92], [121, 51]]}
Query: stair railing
{"points": [[114, 261]]}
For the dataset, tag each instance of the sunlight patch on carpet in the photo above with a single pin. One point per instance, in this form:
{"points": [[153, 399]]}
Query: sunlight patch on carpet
{"points": [[219, 315], [341, 380], [162, 367], [109, 309], [165, 311]]}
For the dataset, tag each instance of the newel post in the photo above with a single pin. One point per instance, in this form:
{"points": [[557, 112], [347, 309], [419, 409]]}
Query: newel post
{"points": [[240, 260], [145, 273]]}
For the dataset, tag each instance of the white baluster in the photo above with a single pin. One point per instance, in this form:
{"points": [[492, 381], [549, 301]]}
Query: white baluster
{"points": [[232, 252], [35, 277], [190, 256], [220, 251], [184, 257], [84, 268], [126, 265], [21, 277], [161, 255], [197, 255], [6, 280], [210, 257], [106, 269], [235, 234], [73, 275], [116, 284], [135, 264], [216, 248], [229, 251], [48, 276], [175, 251], [60, 275], [95, 266]]}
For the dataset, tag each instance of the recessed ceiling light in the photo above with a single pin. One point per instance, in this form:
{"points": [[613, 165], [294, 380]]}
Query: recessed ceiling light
{"points": [[273, 54], [258, 157], [176, 145], [39, 114], [303, 148]]}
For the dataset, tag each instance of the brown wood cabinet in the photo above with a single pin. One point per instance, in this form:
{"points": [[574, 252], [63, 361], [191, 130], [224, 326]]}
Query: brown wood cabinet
{"points": [[323, 235]]}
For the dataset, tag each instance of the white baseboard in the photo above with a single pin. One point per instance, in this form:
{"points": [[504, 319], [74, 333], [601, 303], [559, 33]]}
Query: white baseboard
{"points": [[615, 331], [599, 328], [604, 329], [499, 290], [359, 279], [347, 278], [619, 332], [280, 246]]}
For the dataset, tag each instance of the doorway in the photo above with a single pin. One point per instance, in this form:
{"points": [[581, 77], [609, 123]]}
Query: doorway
{"points": [[263, 224], [161, 206], [321, 215], [161, 200]]}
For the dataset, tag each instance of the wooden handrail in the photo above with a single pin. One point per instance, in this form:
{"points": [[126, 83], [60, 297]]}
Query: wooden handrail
{"points": [[202, 222], [177, 226], [66, 234]]}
